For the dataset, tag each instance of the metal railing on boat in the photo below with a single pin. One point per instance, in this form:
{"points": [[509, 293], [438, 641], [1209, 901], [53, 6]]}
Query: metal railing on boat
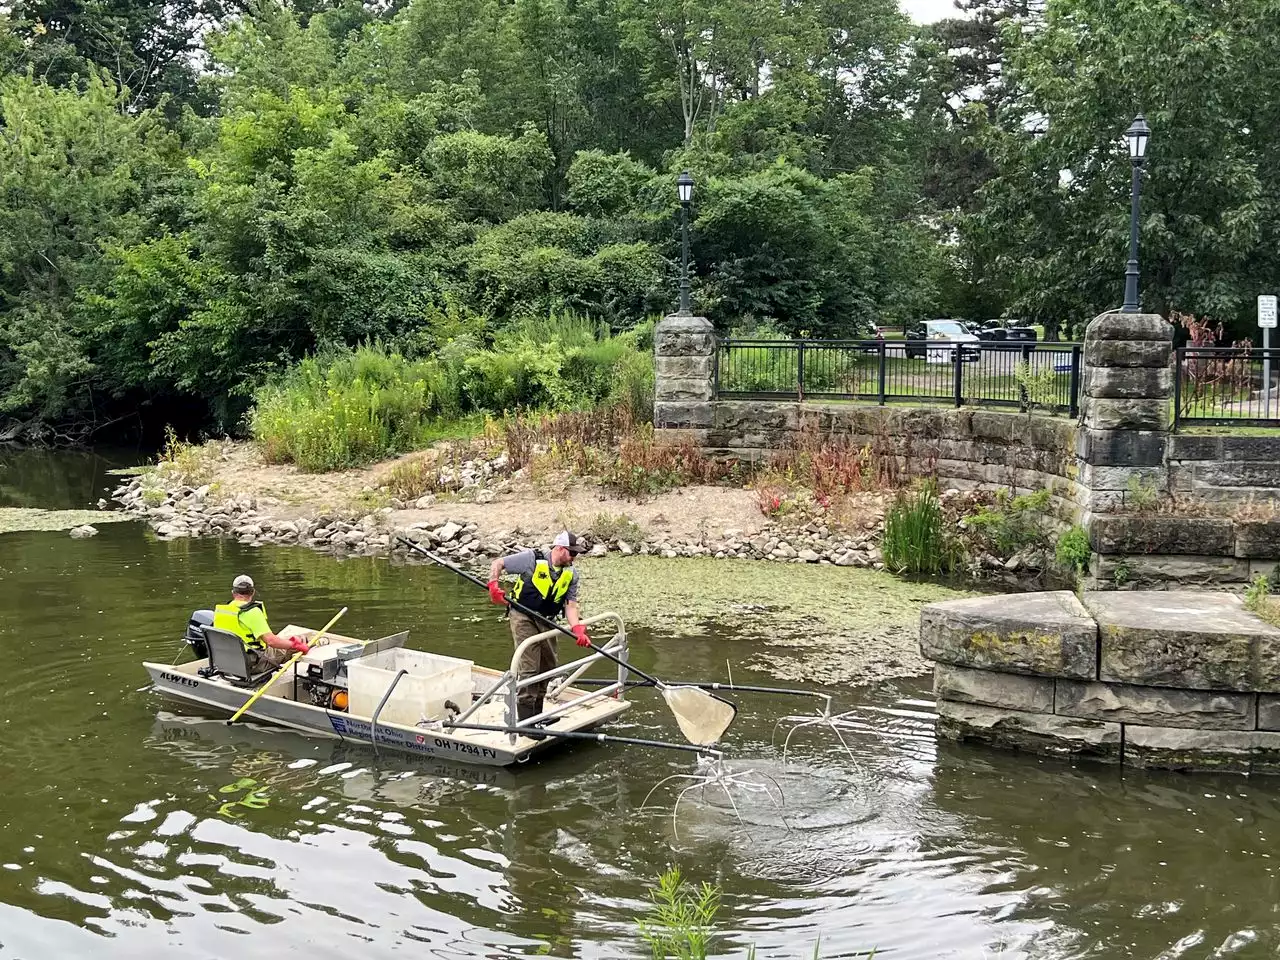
{"points": [[617, 646]]}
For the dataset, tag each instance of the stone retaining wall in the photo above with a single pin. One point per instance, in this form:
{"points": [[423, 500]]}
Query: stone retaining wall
{"points": [[1170, 679], [963, 448], [1162, 509]]}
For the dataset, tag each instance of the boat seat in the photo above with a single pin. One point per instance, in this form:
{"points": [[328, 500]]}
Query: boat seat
{"points": [[228, 657]]}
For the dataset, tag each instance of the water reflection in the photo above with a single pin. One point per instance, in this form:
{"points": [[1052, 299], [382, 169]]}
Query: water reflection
{"points": [[127, 832]]}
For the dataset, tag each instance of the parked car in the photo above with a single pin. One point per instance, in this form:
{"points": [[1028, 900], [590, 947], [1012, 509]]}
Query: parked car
{"points": [[999, 331], [935, 340]]}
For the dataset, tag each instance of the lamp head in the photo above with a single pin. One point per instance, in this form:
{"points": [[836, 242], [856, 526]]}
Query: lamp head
{"points": [[1138, 134], [684, 184]]}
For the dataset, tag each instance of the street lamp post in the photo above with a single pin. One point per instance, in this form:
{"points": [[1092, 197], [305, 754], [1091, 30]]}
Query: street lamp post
{"points": [[1138, 134], [684, 184]]}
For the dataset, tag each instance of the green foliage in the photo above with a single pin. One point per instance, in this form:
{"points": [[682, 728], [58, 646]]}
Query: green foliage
{"points": [[915, 536], [1120, 575], [1260, 596], [1205, 219], [1073, 550], [1011, 524], [78, 175], [352, 407], [351, 174], [186, 462], [1040, 384], [194, 199], [680, 918], [1258, 591], [1139, 495]]}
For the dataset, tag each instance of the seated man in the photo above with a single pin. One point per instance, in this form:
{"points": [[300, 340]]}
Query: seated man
{"points": [[247, 619]]}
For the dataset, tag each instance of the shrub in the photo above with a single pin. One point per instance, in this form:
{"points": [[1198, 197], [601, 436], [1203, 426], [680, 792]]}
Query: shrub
{"points": [[1012, 524], [1072, 551], [413, 478], [645, 466], [606, 528], [186, 462], [358, 406], [354, 408], [915, 539]]}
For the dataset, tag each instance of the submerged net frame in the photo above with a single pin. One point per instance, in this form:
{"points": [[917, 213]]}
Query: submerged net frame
{"points": [[716, 773]]}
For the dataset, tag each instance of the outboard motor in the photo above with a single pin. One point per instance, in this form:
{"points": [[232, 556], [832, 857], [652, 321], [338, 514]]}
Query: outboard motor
{"points": [[194, 637]]}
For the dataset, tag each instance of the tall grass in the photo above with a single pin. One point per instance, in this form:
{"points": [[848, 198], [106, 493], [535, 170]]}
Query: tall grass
{"points": [[915, 536], [353, 408], [358, 406]]}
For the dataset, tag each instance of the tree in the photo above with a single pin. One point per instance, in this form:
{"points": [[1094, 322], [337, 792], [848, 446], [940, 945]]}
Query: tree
{"points": [[1057, 213], [77, 175]]}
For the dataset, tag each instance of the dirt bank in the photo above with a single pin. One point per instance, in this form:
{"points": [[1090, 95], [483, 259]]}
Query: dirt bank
{"points": [[537, 508]]}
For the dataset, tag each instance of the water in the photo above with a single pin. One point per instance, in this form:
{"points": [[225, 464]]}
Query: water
{"points": [[133, 827]]}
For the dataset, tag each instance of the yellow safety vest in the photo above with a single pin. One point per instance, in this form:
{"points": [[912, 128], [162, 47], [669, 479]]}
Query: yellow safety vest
{"points": [[227, 616], [547, 595]]}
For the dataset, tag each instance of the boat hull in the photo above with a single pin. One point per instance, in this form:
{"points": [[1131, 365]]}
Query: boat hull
{"points": [[277, 707]]}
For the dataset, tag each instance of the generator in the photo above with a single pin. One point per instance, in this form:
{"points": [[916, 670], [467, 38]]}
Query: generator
{"points": [[325, 682]]}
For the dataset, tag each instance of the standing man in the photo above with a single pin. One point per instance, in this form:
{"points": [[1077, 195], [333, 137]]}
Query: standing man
{"points": [[546, 585], [247, 619]]}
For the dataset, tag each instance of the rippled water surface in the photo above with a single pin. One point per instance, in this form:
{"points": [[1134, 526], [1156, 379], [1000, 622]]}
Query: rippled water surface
{"points": [[132, 827]]}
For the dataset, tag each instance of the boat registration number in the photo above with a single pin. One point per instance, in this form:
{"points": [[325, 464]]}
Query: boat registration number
{"points": [[421, 743]]}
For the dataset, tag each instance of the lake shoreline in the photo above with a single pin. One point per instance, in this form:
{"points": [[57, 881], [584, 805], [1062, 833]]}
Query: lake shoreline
{"points": [[853, 622], [348, 513]]}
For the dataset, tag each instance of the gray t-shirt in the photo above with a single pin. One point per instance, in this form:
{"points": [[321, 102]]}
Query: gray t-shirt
{"points": [[522, 564]]}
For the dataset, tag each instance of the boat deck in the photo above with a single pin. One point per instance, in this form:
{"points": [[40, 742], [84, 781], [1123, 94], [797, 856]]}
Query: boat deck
{"points": [[284, 703]]}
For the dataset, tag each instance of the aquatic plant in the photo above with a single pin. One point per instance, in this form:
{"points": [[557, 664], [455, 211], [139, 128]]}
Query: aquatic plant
{"points": [[680, 921], [915, 538]]}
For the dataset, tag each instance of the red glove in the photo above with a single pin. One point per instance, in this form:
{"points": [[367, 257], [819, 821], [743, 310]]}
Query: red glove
{"points": [[299, 646], [495, 594], [580, 632]]}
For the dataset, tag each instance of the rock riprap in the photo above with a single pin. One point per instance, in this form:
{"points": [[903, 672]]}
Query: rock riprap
{"points": [[1183, 680], [175, 510]]}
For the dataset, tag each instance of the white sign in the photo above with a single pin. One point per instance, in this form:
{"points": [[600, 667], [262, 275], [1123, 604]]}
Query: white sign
{"points": [[1267, 312]]}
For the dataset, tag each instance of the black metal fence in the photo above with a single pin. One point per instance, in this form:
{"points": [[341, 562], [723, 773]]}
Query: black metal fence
{"points": [[1227, 386], [1042, 376]]}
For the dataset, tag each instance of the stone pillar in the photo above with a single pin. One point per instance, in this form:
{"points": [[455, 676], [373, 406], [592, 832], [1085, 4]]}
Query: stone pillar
{"points": [[1125, 410], [684, 351]]}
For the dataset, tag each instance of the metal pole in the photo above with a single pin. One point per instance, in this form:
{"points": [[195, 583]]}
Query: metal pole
{"points": [[1131, 271], [1266, 372], [1177, 387], [1073, 388], [684, 272]]}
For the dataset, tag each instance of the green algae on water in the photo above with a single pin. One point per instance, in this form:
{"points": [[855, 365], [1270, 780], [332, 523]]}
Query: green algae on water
{"points": [[802, 622], [23, 520]]}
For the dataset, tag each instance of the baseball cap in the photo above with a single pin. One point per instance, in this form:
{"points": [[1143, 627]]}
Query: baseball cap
{"points": [[569, 541], [242, 582]]}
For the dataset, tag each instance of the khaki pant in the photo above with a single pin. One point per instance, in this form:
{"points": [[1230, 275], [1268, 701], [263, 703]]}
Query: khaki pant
{"points": [[268, 658], [537, 659]]}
